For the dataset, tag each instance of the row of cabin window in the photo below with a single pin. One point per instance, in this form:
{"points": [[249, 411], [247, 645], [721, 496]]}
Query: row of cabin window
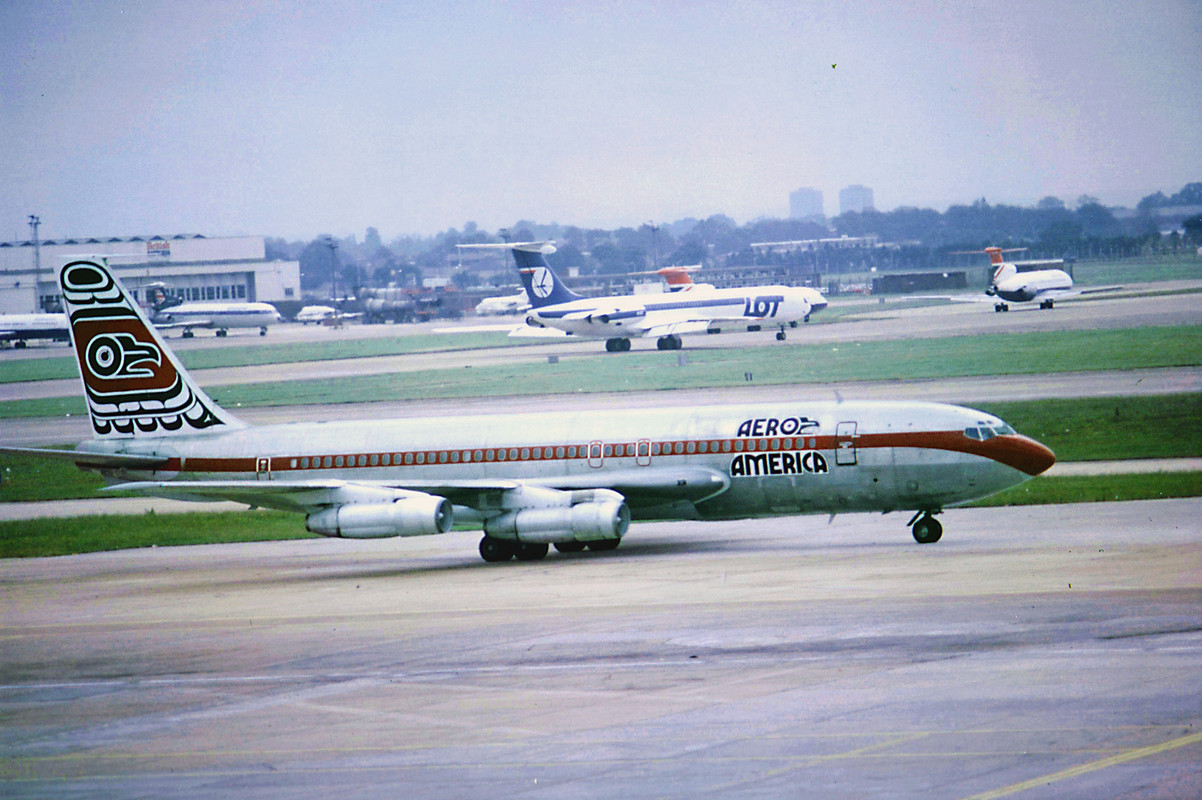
{"points": [[563, 451]]}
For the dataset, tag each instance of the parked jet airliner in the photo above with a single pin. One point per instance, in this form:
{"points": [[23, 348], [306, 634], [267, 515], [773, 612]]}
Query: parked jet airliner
{"points": [[22, 328], [218, 315], [572, 479], [618, 319]]}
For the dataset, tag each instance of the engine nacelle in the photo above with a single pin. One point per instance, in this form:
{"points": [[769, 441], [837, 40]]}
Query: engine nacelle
{"points": [[414, 515], [583, 522]]}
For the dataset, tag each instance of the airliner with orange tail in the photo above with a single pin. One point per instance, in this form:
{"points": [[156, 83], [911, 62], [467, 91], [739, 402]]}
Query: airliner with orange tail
{"points": [[1009, 285], [545, 477]]}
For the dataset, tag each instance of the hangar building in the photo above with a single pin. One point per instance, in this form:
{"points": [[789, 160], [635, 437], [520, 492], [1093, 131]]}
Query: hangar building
{"points": [[192, 266]]}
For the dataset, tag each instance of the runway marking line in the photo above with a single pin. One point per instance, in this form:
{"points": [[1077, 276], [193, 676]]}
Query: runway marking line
{"points": [[1092, 766]]}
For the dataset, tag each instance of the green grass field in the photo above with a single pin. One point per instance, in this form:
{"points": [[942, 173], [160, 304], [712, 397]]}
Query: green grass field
{"points": [[68, 535], [994, 354], [41, 369], [1045, 490]]}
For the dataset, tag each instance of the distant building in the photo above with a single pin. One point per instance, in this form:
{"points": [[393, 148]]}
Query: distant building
{"points": [[807, 204], [191, 266], [856, 198]]}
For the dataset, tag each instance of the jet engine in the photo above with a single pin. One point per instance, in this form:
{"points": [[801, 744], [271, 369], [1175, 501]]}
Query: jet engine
{"points": [[415, 514], [583, 516]]}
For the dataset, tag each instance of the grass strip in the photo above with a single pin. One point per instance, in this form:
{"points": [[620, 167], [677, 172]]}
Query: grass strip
{"points": [[57, 368], [1110, 428], [992, 354], [57, 536], [1050, 490]]}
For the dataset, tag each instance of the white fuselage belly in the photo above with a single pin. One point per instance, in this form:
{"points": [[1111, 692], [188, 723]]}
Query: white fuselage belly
{"points": [[1026, 286], [221, 316], [33, 326], [800, 457], [622, 316]]}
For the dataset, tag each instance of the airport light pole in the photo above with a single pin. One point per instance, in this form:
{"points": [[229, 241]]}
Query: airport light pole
{"points": [[651, 226], [333, 245], [34, 222]]}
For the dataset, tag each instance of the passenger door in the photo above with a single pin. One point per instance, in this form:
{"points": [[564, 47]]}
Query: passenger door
{"points": [[845, 444]]}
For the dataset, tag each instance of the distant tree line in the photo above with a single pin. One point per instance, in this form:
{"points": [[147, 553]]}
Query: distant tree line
{"points": [[919, 238]]}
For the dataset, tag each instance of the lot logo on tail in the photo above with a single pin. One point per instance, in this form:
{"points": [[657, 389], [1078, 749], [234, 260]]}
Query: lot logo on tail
{"points": [[132, 386], [542, 282]]}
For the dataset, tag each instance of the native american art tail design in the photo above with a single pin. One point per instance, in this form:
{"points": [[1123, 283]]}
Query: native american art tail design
{"points": [[133, 384]]}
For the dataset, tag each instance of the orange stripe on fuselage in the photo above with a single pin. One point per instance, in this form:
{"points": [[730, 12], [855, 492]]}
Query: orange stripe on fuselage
{"points": [[1019, 452]]}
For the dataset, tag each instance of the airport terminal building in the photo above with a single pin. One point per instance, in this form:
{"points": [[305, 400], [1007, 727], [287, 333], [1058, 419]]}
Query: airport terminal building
{"points": [[192, 266]]}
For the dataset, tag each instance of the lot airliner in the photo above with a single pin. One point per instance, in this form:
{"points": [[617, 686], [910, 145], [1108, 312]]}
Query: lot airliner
{"points": [[569, 479], [618, 319]]}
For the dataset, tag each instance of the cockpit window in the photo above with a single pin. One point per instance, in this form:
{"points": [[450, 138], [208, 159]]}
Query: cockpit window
{"points": [[985, 432]]}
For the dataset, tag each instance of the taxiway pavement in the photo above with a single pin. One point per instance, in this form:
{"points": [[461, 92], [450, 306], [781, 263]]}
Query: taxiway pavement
{"points": [[1034, 652]]}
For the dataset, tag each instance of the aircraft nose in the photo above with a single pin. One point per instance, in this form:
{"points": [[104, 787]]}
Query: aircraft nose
{"points": [[1023, 453]]}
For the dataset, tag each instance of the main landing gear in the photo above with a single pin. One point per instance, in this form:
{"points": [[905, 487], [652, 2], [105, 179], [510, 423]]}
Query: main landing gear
{"points": [[669, 342], [1000, 307], [926, 530], [495, 551], [1048, 304], [618, 345]]}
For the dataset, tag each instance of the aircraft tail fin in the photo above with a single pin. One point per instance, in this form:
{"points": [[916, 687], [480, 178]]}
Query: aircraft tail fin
{"points": [[677, 278], [543, 287], [134, 386], [1003, 272]]}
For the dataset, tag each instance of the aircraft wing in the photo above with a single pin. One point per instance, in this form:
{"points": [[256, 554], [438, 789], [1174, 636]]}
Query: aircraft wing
{"points": [[642, 487], [190, 322], [683, 326], [533, 332]]}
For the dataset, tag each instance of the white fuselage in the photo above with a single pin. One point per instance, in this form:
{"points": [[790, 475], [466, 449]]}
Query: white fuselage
{"points": [[729, 461], [23, 327], [220, 316], [1023, 287], [636, 316], [315, 314]]}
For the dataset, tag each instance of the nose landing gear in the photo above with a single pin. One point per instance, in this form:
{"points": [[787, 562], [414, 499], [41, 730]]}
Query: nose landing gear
{"points": [[926, 530]]}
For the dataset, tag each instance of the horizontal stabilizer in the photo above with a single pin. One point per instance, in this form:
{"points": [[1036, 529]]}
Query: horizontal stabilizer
{"points": [[92, 460], [546, 248]]}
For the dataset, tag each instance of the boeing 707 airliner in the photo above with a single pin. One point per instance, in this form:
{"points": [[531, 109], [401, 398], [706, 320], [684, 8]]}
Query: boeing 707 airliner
{"points": [[574, 480]]}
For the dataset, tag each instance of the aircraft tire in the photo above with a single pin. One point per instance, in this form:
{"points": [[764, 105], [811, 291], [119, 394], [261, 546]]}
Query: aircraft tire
{"points": [[604, 545], [927, 530], [780, 336], [570, 547], [532, 551], [669, 342], [617, 345], [495, 551]]}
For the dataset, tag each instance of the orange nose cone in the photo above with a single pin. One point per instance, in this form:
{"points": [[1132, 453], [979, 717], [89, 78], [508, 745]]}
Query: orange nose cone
{"points": [[1024, 454]]}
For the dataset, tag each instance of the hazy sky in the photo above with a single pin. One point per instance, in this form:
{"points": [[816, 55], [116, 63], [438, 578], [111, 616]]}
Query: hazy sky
{"points": [[222, 118]]}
